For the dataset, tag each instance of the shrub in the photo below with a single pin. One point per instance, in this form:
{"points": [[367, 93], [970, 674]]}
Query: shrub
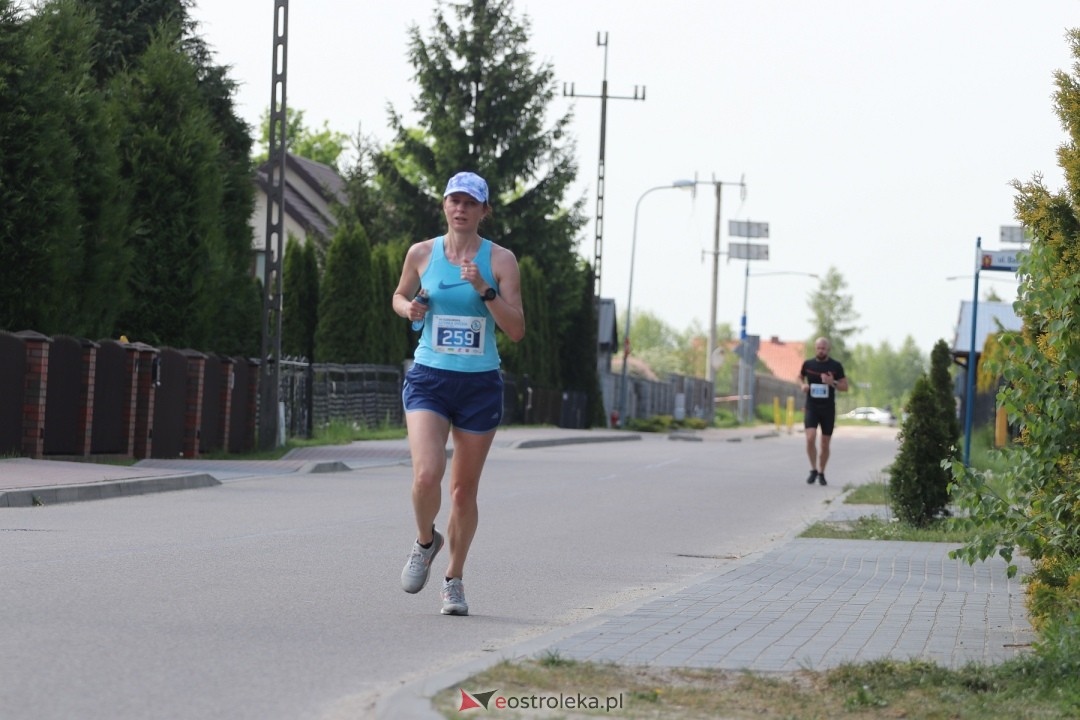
{"points": [[664, 423], [917, 474]]}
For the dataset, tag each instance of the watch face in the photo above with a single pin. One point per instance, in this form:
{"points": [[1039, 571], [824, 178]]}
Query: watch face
{"points": [[489, 294]]}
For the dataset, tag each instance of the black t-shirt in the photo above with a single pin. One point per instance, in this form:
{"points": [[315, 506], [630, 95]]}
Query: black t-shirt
{"points": [[812, 370]]}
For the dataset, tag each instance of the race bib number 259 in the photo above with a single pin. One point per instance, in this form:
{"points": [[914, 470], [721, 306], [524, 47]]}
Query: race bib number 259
{"points": [[458, 334]]}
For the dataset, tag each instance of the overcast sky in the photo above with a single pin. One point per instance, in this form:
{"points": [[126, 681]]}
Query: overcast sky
{"points": [[879, 138]]}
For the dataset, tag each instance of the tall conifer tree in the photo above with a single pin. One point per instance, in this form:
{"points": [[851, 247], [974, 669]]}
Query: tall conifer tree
{"points": [[346, 299], [170, 155], [482, 107], [300, 311]]}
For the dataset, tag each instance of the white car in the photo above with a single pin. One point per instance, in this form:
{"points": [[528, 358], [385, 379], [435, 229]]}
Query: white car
{"points": [[873, 414]]}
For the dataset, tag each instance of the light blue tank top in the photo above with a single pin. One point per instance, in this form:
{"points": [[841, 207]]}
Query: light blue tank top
{"points": [[459, 330]]}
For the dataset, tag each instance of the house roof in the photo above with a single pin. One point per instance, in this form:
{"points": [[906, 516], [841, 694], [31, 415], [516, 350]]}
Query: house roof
{"points": [[990, 317], [783, 359], [321, 178], [636, 366]]}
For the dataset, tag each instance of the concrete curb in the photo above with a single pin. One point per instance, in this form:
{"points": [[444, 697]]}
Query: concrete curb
{"points": [[331, 466], [30, 497], [572, 440], [758, 436]]}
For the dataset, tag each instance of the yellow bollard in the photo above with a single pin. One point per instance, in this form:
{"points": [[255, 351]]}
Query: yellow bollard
{"points": [[790, 414], [1001, 428]]}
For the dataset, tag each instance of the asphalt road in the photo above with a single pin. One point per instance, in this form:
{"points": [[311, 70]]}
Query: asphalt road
{"points": [[279, 597]]}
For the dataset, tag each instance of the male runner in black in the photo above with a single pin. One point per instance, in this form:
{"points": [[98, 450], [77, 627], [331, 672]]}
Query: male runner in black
{"points": [[822, 377]]}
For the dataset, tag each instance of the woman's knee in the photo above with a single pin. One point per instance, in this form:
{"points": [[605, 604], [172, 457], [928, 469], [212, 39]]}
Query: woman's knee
{"points": [[463, 494], [427, 478]]}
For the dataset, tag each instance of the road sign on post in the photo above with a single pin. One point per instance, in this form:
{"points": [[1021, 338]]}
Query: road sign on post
{"points": [[747, 229], [1008, 260], [1015, 234], [748, 251]]}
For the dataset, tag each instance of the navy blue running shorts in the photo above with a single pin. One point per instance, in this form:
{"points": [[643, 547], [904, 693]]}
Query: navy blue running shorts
{"points": [[472, 402]]}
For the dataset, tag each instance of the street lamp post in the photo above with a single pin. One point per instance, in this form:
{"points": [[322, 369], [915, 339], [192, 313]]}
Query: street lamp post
{"points": [[630, 293]]}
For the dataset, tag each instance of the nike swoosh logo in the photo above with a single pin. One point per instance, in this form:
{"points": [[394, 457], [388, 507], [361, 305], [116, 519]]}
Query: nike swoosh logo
{"points": [[444, 286]]}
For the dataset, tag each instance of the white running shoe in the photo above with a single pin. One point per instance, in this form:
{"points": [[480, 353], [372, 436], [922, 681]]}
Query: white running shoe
{"points": [[453, 598], [417, 568]]}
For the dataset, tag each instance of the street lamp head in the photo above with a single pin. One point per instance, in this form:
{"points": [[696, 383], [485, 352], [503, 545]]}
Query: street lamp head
{"points": [[683, 183]]}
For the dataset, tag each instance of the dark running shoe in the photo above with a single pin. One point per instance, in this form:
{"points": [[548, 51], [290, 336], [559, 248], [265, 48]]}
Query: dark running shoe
{"points": [[813, 476], [821, 479]]}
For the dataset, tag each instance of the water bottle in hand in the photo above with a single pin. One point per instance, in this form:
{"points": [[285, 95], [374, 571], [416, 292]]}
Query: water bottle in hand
{"points": [[423, 298]]}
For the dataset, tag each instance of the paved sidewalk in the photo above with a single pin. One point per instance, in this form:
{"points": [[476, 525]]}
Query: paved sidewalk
{"points": [[816, 604]]}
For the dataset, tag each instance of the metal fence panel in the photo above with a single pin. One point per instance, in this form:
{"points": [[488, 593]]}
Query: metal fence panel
{"points": [[364, 394], [12, 390]]}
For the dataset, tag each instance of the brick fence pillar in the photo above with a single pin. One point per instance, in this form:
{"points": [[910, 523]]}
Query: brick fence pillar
{"points": [[37, 384]]}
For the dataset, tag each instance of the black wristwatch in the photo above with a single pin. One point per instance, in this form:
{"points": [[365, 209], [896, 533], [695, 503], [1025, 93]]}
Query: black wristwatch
{"points": [[489, 295]]}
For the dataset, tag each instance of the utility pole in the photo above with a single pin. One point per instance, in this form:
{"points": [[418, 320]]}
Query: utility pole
{"points": [[710, 371], [270, 367], [604, 97]]}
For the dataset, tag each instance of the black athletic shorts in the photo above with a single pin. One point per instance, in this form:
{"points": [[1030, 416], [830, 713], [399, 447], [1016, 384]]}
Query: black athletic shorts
{"points": [[823, 415]]}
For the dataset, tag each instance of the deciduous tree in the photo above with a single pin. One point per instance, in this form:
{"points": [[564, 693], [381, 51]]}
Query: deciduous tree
{"points": [[1036, 506], [833, 313], [322, 145]]}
